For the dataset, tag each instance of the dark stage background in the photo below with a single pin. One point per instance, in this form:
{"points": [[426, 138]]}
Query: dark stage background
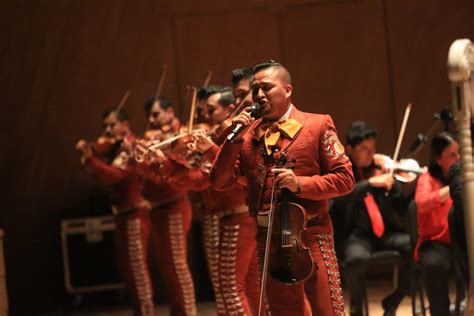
{"points": [[62, 62]]}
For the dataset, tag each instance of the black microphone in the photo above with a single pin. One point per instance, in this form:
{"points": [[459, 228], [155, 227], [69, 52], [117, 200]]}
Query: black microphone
{"points": [[255, 112]]}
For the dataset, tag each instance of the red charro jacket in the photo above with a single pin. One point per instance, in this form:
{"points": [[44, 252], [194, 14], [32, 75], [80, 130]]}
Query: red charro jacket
{"points": [[121, 177], [322, 168]]}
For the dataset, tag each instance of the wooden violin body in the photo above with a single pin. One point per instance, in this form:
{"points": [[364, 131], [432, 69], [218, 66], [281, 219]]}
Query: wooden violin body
{"points": [[154, 134], [105, 147], [219, 132], [290, 260], [405, 170]]}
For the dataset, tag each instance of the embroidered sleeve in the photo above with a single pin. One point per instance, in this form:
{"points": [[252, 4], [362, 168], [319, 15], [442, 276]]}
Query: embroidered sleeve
{"points": [[336, 176], [331, 145], [225, 170], [106, 173]]}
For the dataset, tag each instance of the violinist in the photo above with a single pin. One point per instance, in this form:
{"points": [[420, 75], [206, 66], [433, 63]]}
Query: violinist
{"points": [[228, 229], [322, 171], [370, 216], [201, 107], [433, 200], [161, 119], [131, 210], [241, 79], [170, 215]]}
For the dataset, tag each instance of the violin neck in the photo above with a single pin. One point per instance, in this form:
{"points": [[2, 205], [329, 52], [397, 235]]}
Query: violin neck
{"points": [[284, 209], [285, 196]]}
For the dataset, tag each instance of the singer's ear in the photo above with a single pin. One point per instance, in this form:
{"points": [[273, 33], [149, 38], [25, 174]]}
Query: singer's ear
{"points": [[289, 90]]}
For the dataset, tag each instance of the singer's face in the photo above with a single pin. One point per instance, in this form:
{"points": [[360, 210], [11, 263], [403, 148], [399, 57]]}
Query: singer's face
{"points": [[272, 92]]}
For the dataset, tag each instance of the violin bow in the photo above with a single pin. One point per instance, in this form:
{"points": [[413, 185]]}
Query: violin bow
{"points": [[120, 105], [400, 136], [162, 80], [208, 79], [122, 102], [164, 68], [193, 110], [238, 109], [205, 84], [267, 248]]}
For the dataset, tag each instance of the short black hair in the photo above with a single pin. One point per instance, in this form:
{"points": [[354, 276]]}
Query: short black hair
{"points": [[121, 116], [164, 103], [240, 74], [358, 132], [227, 97], [438, 144], [270, 64], [204, 92], [265, 64]]}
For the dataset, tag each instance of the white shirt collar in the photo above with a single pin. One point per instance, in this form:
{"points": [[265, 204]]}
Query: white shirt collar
{"points": [[287, 114]]}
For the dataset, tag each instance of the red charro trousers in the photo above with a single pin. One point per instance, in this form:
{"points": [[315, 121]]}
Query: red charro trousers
{"points": [[170, 225], [322, 290], [132, 232], [230, 248]]}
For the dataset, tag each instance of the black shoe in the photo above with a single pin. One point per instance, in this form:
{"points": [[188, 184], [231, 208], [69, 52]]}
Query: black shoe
{"points": [[356, 310], [391, 311], [390, 304]]}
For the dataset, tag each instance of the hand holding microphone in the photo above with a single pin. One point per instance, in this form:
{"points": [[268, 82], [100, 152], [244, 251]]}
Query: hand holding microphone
{"points": [[243, 120]]}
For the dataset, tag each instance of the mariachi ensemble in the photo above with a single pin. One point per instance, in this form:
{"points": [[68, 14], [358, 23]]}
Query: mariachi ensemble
{"points": [[289, 212]]}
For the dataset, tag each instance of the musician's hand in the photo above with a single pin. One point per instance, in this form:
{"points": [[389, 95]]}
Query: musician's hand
{"points": [[245, 119], [140, 150], [84, 148], [286, 178], [155, 155], [203, 142], [382, 181]]}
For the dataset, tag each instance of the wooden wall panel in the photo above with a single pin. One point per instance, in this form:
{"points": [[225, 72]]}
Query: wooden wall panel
{"points": [[420, 34], [83, 60], [63, 62], [337, 56], [222, 42], [205, 7]]}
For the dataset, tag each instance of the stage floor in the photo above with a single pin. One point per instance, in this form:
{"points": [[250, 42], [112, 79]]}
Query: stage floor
{"points": [[376, 291]]}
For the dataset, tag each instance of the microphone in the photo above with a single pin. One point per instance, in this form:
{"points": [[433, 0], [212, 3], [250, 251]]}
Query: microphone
{"points": [[255, 112]]}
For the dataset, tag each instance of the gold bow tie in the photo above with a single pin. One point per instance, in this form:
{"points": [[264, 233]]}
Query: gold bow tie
{"points": [[272, 132]]}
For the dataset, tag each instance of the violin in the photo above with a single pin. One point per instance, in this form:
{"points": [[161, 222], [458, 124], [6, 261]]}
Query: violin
{"points": [[153, 134], [105, 147], [290, 260], [287, 258], [404, 170], [220, 131], [183, 148]]}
